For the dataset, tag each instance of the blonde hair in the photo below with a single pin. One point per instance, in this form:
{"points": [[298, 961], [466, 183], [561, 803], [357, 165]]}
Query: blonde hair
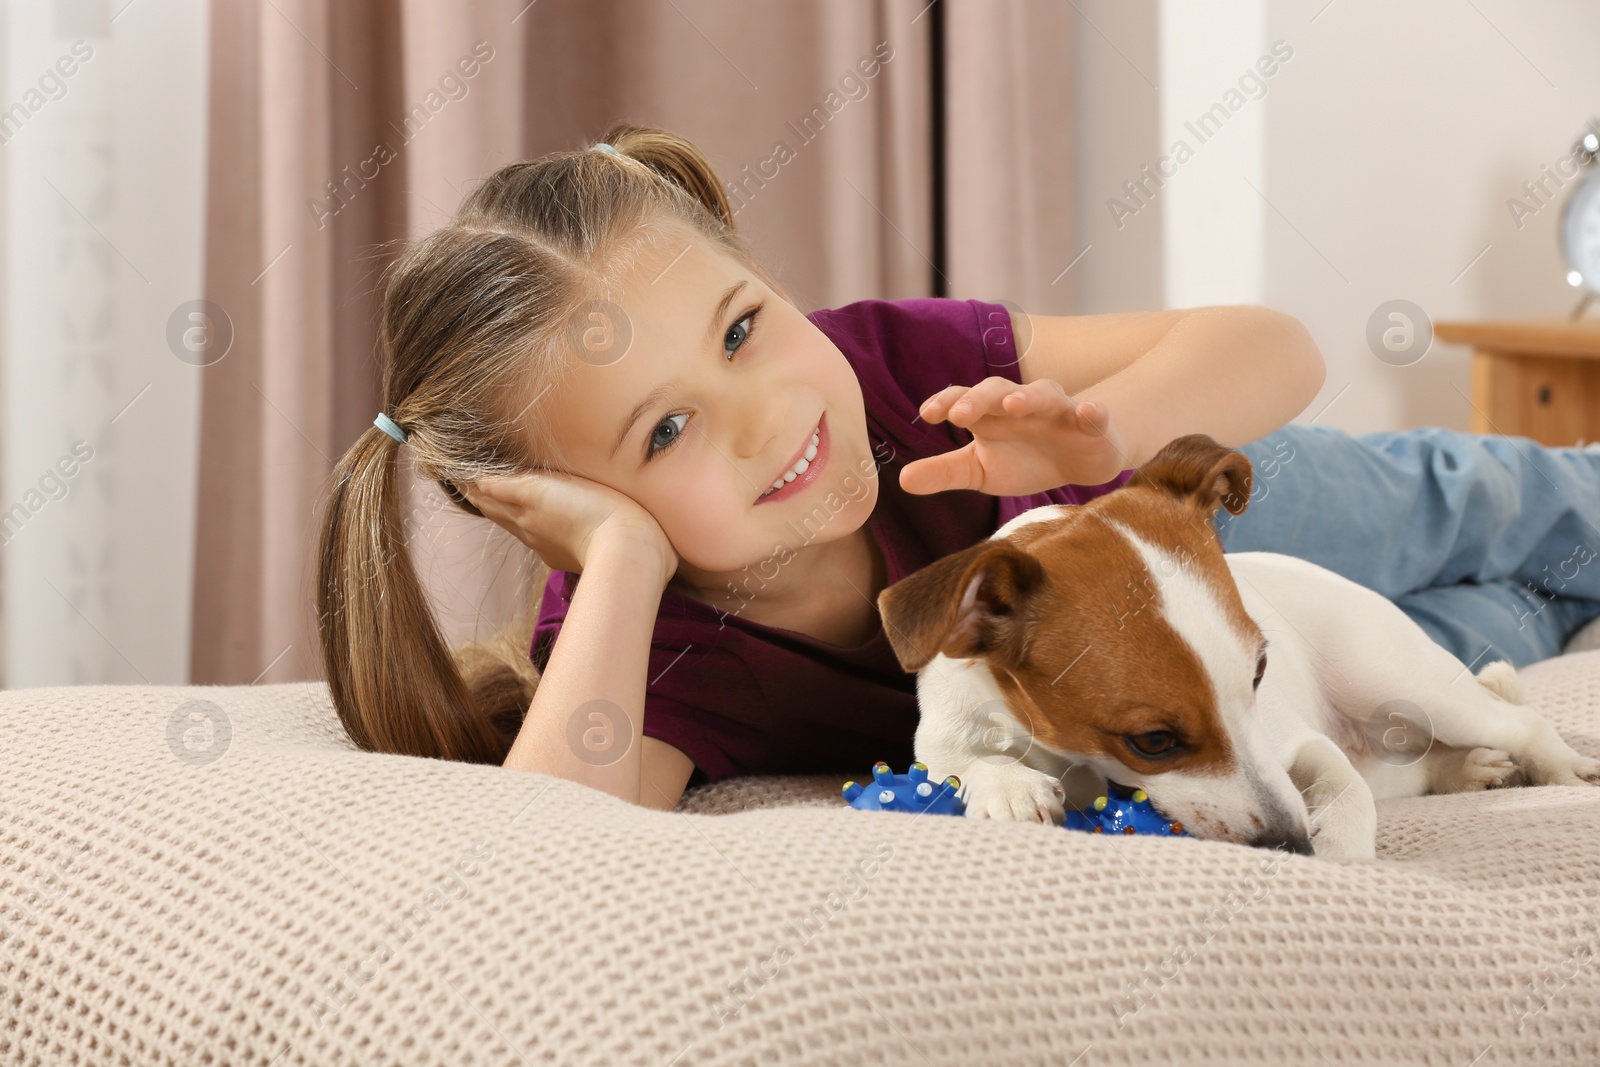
{"points": [[473, 326]]}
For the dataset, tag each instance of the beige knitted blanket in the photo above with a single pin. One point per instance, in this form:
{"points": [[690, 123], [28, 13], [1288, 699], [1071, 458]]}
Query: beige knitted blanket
{"points": [[214, 875]]}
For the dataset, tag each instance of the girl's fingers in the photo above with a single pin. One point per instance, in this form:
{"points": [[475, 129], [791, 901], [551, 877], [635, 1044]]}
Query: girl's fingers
{"points": [[982, 399], [488, 490], [509, 493], [1093, 415], [1038, 397], [957, 402], [936, 406], [1003, 397], [964, 406]]}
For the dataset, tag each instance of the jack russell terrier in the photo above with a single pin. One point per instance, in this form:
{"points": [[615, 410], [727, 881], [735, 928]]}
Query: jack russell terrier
{"points": [[1116, 640]]}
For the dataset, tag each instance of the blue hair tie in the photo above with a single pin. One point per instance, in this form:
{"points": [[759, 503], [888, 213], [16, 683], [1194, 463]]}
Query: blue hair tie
{"points": [[603, 147], [390, 427]]}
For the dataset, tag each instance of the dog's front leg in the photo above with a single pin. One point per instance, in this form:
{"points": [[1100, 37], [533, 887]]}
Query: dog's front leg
{"points": [[965, 730], [994, 789], [1344, 818]]}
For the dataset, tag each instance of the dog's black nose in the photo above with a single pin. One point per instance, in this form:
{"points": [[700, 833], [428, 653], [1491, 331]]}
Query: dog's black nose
{"points": [[1295, 842]]}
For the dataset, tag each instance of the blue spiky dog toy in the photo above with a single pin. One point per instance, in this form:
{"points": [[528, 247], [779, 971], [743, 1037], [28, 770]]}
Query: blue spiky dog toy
{"points": [[906, 792], [1128, 813], [1123, 811]]}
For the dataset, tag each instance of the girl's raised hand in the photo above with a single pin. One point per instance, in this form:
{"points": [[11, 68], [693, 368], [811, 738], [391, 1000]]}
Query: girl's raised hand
{"points": [[1025, 439], [563, 516]]}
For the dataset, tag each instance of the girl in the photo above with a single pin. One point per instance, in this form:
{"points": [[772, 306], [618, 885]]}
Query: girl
{"points": [[589, 356]]}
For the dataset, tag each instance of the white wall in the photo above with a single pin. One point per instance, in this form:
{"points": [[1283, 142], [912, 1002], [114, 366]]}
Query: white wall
{"points": [[1384, 152], [1213, 147], [1117, 108], [104, 198]]}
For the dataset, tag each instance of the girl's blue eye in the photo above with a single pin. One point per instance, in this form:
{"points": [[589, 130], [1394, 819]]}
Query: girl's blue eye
{"points": [[657, 446], [742, 334], [749, 316]]}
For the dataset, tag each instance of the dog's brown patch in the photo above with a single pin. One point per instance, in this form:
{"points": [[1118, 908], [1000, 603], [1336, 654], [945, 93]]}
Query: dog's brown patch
{"points": [[1069, 617]]}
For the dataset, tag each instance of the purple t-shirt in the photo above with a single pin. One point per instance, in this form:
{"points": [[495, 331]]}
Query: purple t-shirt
{"points": [[738, 697]]}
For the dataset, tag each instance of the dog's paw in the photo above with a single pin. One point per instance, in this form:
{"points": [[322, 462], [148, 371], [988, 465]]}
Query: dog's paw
{"points": [[1564, 768], [1579, 771], [1012, 791], [1486, 768], [1342, 830], [1343, 819], [1343, 840], [1471, 770]]}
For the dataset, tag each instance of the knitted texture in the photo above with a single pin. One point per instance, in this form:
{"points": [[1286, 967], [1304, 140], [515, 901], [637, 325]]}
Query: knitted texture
{"points": [[217, 876]]}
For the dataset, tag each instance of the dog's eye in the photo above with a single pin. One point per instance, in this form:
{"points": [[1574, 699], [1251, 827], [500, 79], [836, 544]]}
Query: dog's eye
{"points": [[1261, 668], [1154, 744]]}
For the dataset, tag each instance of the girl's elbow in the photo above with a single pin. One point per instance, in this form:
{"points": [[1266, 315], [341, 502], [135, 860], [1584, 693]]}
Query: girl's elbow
{"points": [[1298, 345], [1316, 365], [1319, 372]]}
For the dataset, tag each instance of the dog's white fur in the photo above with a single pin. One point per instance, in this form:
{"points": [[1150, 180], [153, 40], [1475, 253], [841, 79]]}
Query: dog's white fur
{"points": [[1307, 769]]}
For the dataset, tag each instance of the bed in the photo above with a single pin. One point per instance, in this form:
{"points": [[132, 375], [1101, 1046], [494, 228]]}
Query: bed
{"points": [[216, 875]]}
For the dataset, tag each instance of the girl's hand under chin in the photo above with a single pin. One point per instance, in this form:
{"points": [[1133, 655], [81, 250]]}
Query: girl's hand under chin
{"points": [[1025, 439], [562, 516]]}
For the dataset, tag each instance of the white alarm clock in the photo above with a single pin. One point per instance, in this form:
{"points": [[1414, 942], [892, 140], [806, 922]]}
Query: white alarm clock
{"points": [[1580, 227]]}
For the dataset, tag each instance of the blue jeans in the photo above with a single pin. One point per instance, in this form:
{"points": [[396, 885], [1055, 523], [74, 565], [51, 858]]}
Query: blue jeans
{"points": [[1491, 544]]}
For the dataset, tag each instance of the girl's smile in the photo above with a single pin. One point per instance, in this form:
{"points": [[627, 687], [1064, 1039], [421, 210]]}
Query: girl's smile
{"points": [[812, 458]]}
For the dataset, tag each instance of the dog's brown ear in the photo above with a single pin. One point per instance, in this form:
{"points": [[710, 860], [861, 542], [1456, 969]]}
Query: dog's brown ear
{"points": [[969, 603], [1196, 469]]}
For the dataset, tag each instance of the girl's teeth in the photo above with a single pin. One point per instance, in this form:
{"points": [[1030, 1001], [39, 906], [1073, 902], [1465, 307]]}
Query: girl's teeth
{"points": [[800, 467]]}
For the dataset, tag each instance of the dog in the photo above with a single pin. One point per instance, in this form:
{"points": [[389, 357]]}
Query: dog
{"points": [[1256, 697]]}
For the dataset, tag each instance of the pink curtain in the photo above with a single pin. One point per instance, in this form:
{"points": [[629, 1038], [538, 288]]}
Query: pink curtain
{"points": [[338, 128], [1010, 204]]}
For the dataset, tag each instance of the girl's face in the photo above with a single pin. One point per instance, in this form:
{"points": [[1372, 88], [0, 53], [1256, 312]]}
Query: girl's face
{"points": [[693, 391]]}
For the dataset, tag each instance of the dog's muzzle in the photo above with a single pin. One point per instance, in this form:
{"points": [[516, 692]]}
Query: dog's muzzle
{"points": [[1290, 842]]}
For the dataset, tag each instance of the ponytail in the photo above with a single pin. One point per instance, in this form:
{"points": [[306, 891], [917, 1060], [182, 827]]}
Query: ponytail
{"points": [[475, 325], [381, 647]]}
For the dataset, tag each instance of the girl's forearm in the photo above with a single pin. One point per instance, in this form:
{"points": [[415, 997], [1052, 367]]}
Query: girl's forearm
{"points": [[590, 698], [1234, 372]]}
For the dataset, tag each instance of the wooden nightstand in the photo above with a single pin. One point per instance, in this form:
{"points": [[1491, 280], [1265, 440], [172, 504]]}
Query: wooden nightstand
{"points": [[1537, 378]]}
